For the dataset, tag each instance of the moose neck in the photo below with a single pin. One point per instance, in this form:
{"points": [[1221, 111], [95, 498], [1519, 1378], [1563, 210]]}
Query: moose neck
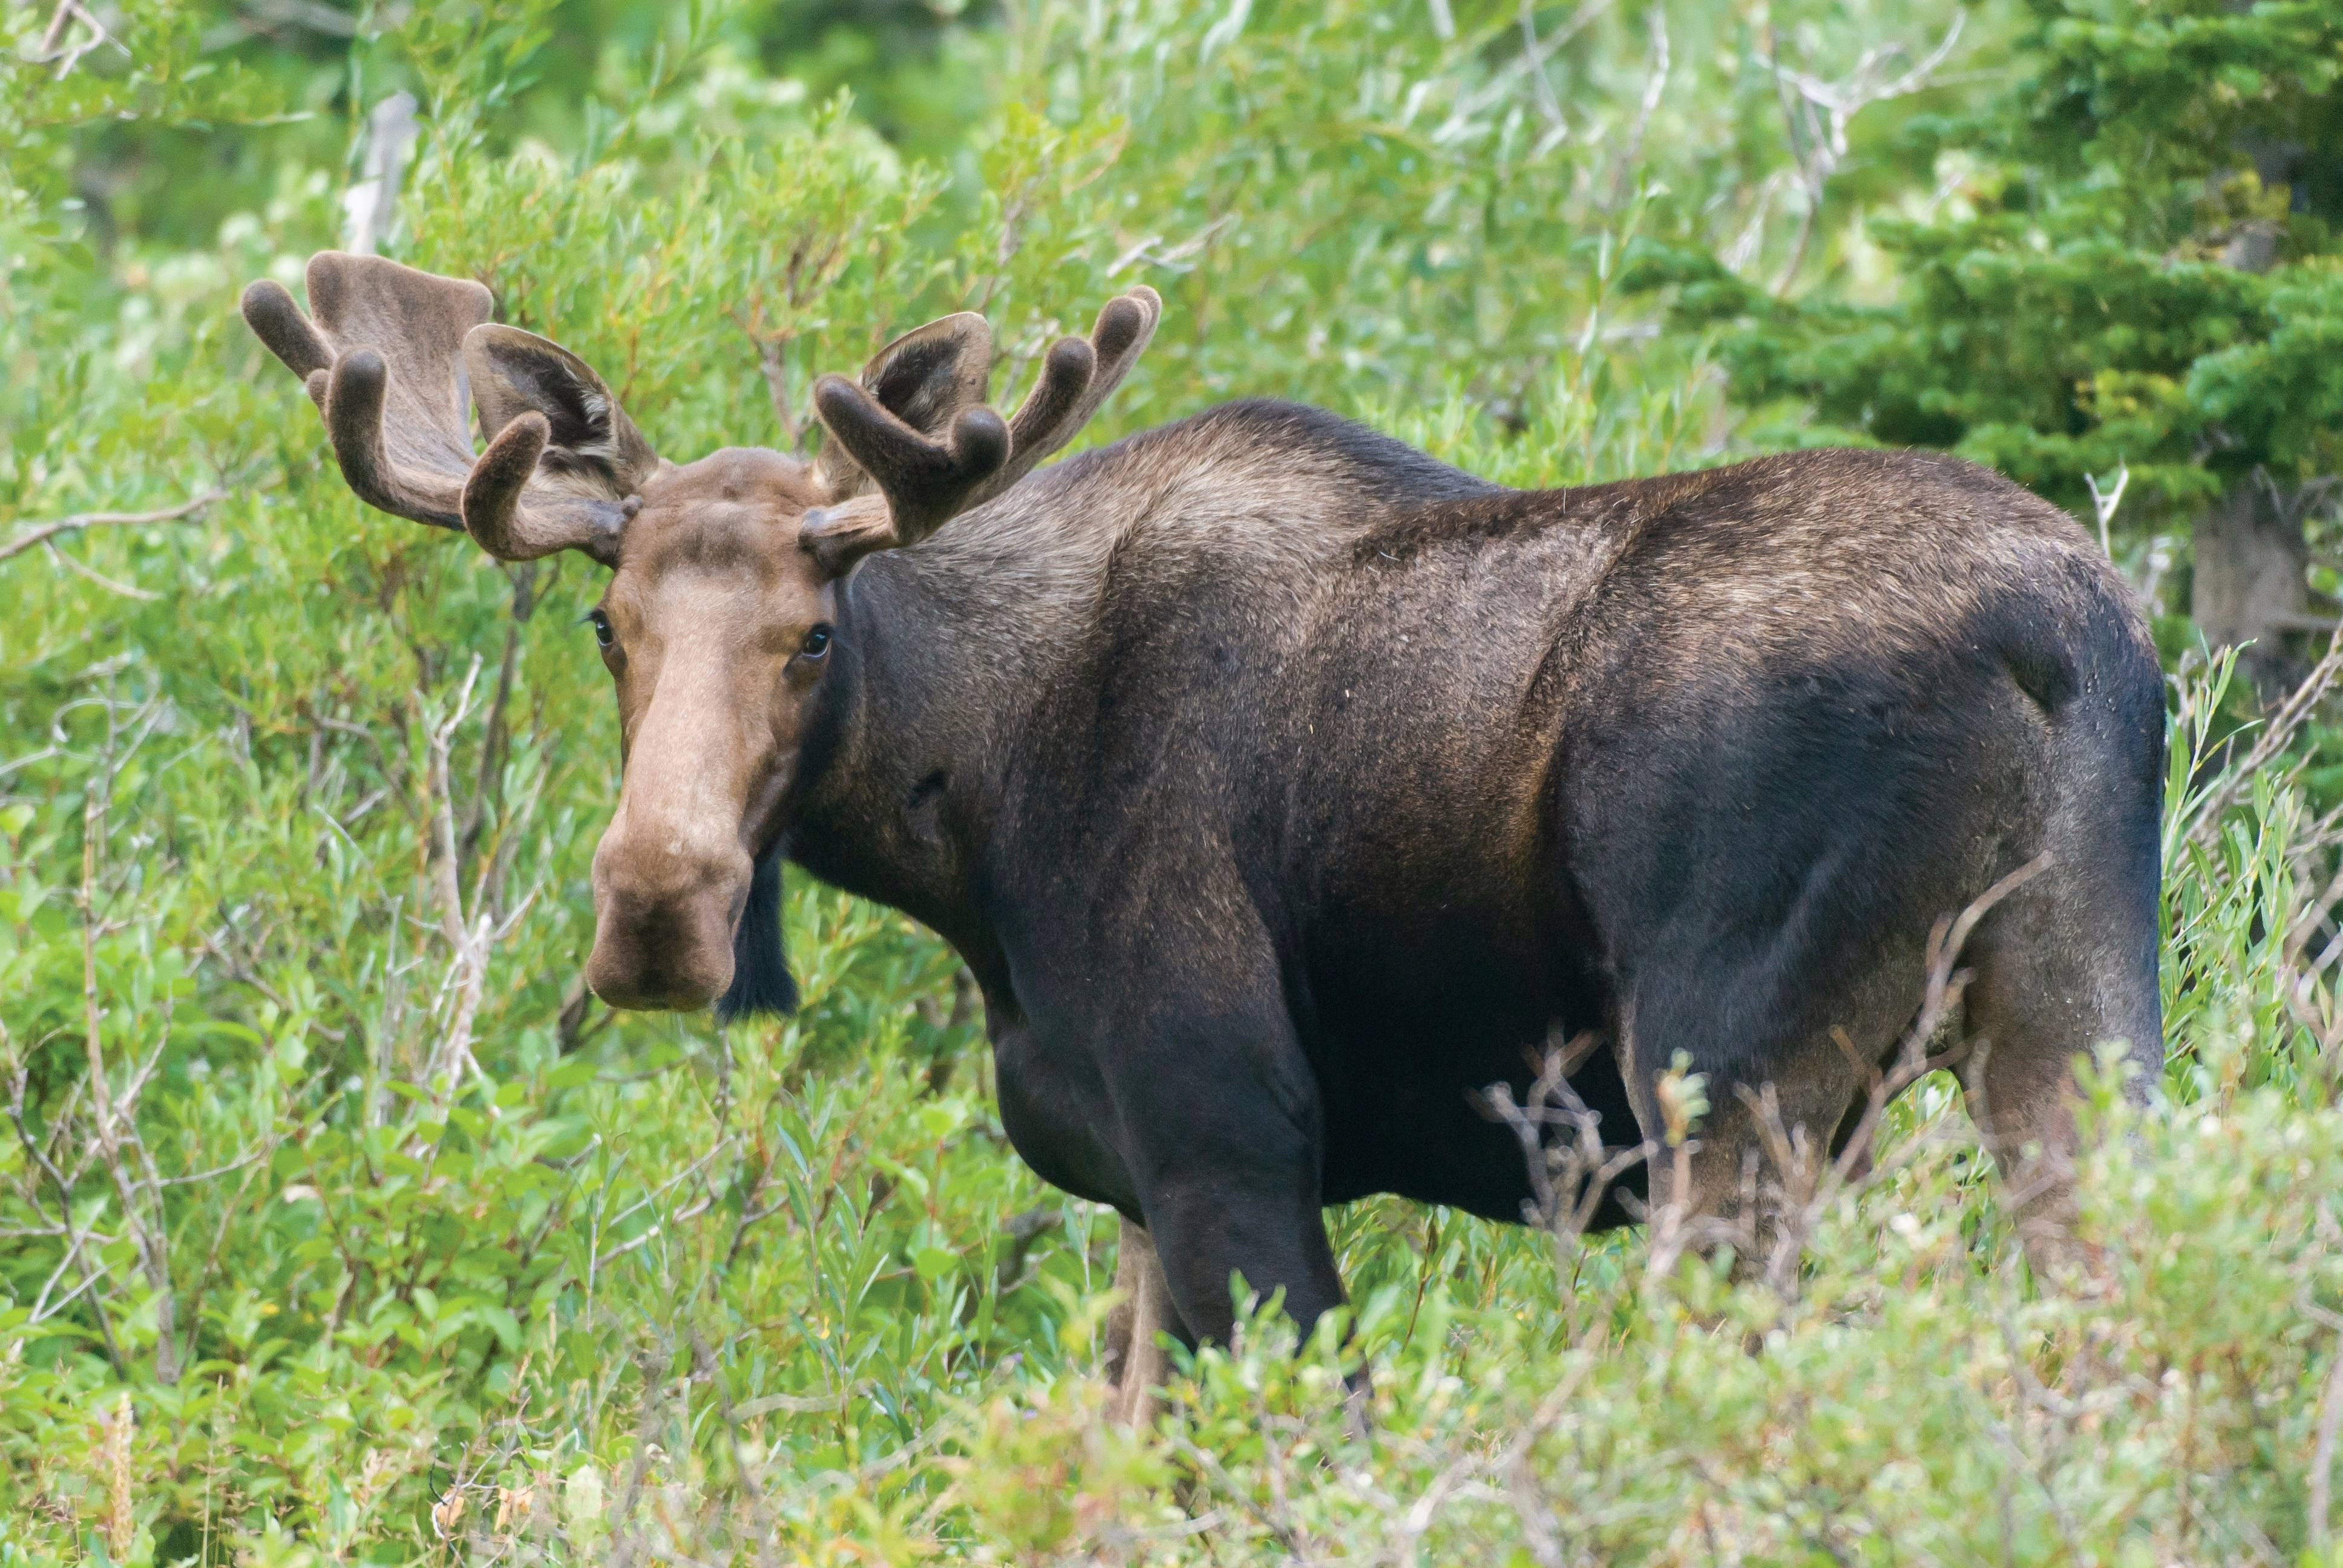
{"points": [[942, 651], [947, 649]]}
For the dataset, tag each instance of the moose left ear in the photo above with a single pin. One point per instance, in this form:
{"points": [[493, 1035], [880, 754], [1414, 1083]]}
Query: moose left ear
{"points": [[591, 448]]}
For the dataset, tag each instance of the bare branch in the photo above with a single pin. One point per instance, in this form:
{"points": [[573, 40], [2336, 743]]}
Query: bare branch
{"points": [[75, 1239], [1548, 104], [2322, 1456], [1817, 114], [1533, 59], [54, 45], [93, 575], [83, 520], [2278, 731]]}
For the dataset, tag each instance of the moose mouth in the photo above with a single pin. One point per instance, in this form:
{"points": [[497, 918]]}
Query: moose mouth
{"points": [[664, 954], [679, 956], [666, 902]]}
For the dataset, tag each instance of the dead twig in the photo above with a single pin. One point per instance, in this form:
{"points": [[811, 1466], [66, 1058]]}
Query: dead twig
{"points": [[1817, 113], [86, 520], [2277, 732], [1655, 83], [54, 45], [1534, 55], [470, 934], [1571, 1175], [2322, 1454]]}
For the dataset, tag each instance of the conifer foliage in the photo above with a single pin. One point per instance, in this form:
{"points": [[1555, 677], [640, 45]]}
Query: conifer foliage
{"points": [[2129, 260]]}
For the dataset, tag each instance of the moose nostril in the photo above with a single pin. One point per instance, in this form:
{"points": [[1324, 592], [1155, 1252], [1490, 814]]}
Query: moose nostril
{"points": [[663, 927]]}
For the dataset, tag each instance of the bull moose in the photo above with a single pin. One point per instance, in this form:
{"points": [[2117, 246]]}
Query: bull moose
{"points": [[1280, 785]]}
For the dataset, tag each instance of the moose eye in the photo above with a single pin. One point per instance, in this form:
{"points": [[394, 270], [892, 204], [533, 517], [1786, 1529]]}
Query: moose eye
{"points": [[817, 642], [602, 632]]}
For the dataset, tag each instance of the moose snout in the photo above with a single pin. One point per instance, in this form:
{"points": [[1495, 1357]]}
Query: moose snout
{"points": [[664, 915]]}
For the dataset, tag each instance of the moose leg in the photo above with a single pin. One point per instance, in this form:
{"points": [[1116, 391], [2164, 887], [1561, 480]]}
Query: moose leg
{"points": [[1134, 1362], [1219, 1127], [1707, 1178], [2050, 986], [1779, 1085], [1212, 1225]]}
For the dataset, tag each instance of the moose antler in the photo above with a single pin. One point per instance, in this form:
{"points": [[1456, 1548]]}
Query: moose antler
{"points": [[1077, 379], [392, 356], [926, 480]]}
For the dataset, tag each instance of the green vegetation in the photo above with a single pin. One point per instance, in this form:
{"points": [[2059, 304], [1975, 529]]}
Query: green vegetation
{"points": [[2131, 265], [336, 1223]]}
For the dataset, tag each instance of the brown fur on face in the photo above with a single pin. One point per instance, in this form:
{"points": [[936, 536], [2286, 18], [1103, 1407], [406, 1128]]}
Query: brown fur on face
{"points": [[709, 611]]}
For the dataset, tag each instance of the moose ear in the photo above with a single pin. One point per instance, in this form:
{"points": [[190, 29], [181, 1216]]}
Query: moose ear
{"points": [[592, 448], [923, 379]]}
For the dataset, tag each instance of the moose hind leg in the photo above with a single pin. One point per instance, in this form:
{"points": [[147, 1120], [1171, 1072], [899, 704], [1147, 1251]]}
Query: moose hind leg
{"points": [[2063, 966], [1784, 1062], [1709, 1177]]}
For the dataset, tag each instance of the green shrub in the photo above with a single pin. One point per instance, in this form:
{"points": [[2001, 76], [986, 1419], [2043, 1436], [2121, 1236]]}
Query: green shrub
{"points": [[340, 1224]]}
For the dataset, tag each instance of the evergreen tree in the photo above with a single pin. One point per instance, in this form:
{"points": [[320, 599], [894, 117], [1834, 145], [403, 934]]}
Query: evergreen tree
{"points": [[2134, 260]]}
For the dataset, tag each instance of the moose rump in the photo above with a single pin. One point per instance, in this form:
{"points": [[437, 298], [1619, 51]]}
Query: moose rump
{"points": [[1925, 681]]}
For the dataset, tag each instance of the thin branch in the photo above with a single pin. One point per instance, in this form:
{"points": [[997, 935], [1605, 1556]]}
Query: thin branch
{"points": [[94, 575], [1817, 114], [81, 521], [1533, 59], [68, 56], [2278, 731], [1655, 84], [74, 1239], [2322, 1456], [1548, 103]]}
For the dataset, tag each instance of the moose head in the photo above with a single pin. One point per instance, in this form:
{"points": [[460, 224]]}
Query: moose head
{"points": [[718, 619]]}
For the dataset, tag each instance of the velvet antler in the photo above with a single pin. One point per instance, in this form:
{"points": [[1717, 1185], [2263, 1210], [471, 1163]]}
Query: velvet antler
{"points": [[926, 480], [392, 356]]}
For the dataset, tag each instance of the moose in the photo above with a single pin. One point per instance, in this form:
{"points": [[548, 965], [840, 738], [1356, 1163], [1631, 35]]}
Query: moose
{"points": [[1282, 787]]}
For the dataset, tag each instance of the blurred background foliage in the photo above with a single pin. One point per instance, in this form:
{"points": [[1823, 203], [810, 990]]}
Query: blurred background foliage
{"points": [[337, 1222]]}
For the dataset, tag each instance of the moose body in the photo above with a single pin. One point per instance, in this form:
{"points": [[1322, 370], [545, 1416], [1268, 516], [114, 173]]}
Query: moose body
{"points": [[1282, 788]]}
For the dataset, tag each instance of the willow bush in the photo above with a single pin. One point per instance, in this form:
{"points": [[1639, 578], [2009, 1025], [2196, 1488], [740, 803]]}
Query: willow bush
{"points": [[341, 1224]]}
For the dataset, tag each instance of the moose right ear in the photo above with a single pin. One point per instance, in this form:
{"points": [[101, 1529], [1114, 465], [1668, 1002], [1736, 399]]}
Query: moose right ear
{"points": [[923, 379]]}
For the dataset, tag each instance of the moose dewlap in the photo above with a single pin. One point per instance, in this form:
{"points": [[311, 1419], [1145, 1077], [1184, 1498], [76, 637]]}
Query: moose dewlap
{"points": [[1283, 788]]}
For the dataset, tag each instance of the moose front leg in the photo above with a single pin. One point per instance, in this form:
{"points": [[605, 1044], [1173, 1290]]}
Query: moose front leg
{"points": [[1220, 1129], [1134, 1361]]}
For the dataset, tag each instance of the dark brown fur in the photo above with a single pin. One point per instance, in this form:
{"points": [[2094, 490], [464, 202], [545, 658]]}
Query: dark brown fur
{"points": [[1337, 781], [1282, 787]]}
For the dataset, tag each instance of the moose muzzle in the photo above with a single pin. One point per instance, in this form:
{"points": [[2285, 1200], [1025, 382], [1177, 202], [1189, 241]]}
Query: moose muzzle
{"points": [[667, 895]]}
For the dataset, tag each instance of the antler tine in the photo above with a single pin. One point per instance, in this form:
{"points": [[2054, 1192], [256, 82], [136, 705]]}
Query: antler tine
{"points": [[1076, 379], [355, 394], [514, 521], [1067, 371], [925, 481], [278, 323]]}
